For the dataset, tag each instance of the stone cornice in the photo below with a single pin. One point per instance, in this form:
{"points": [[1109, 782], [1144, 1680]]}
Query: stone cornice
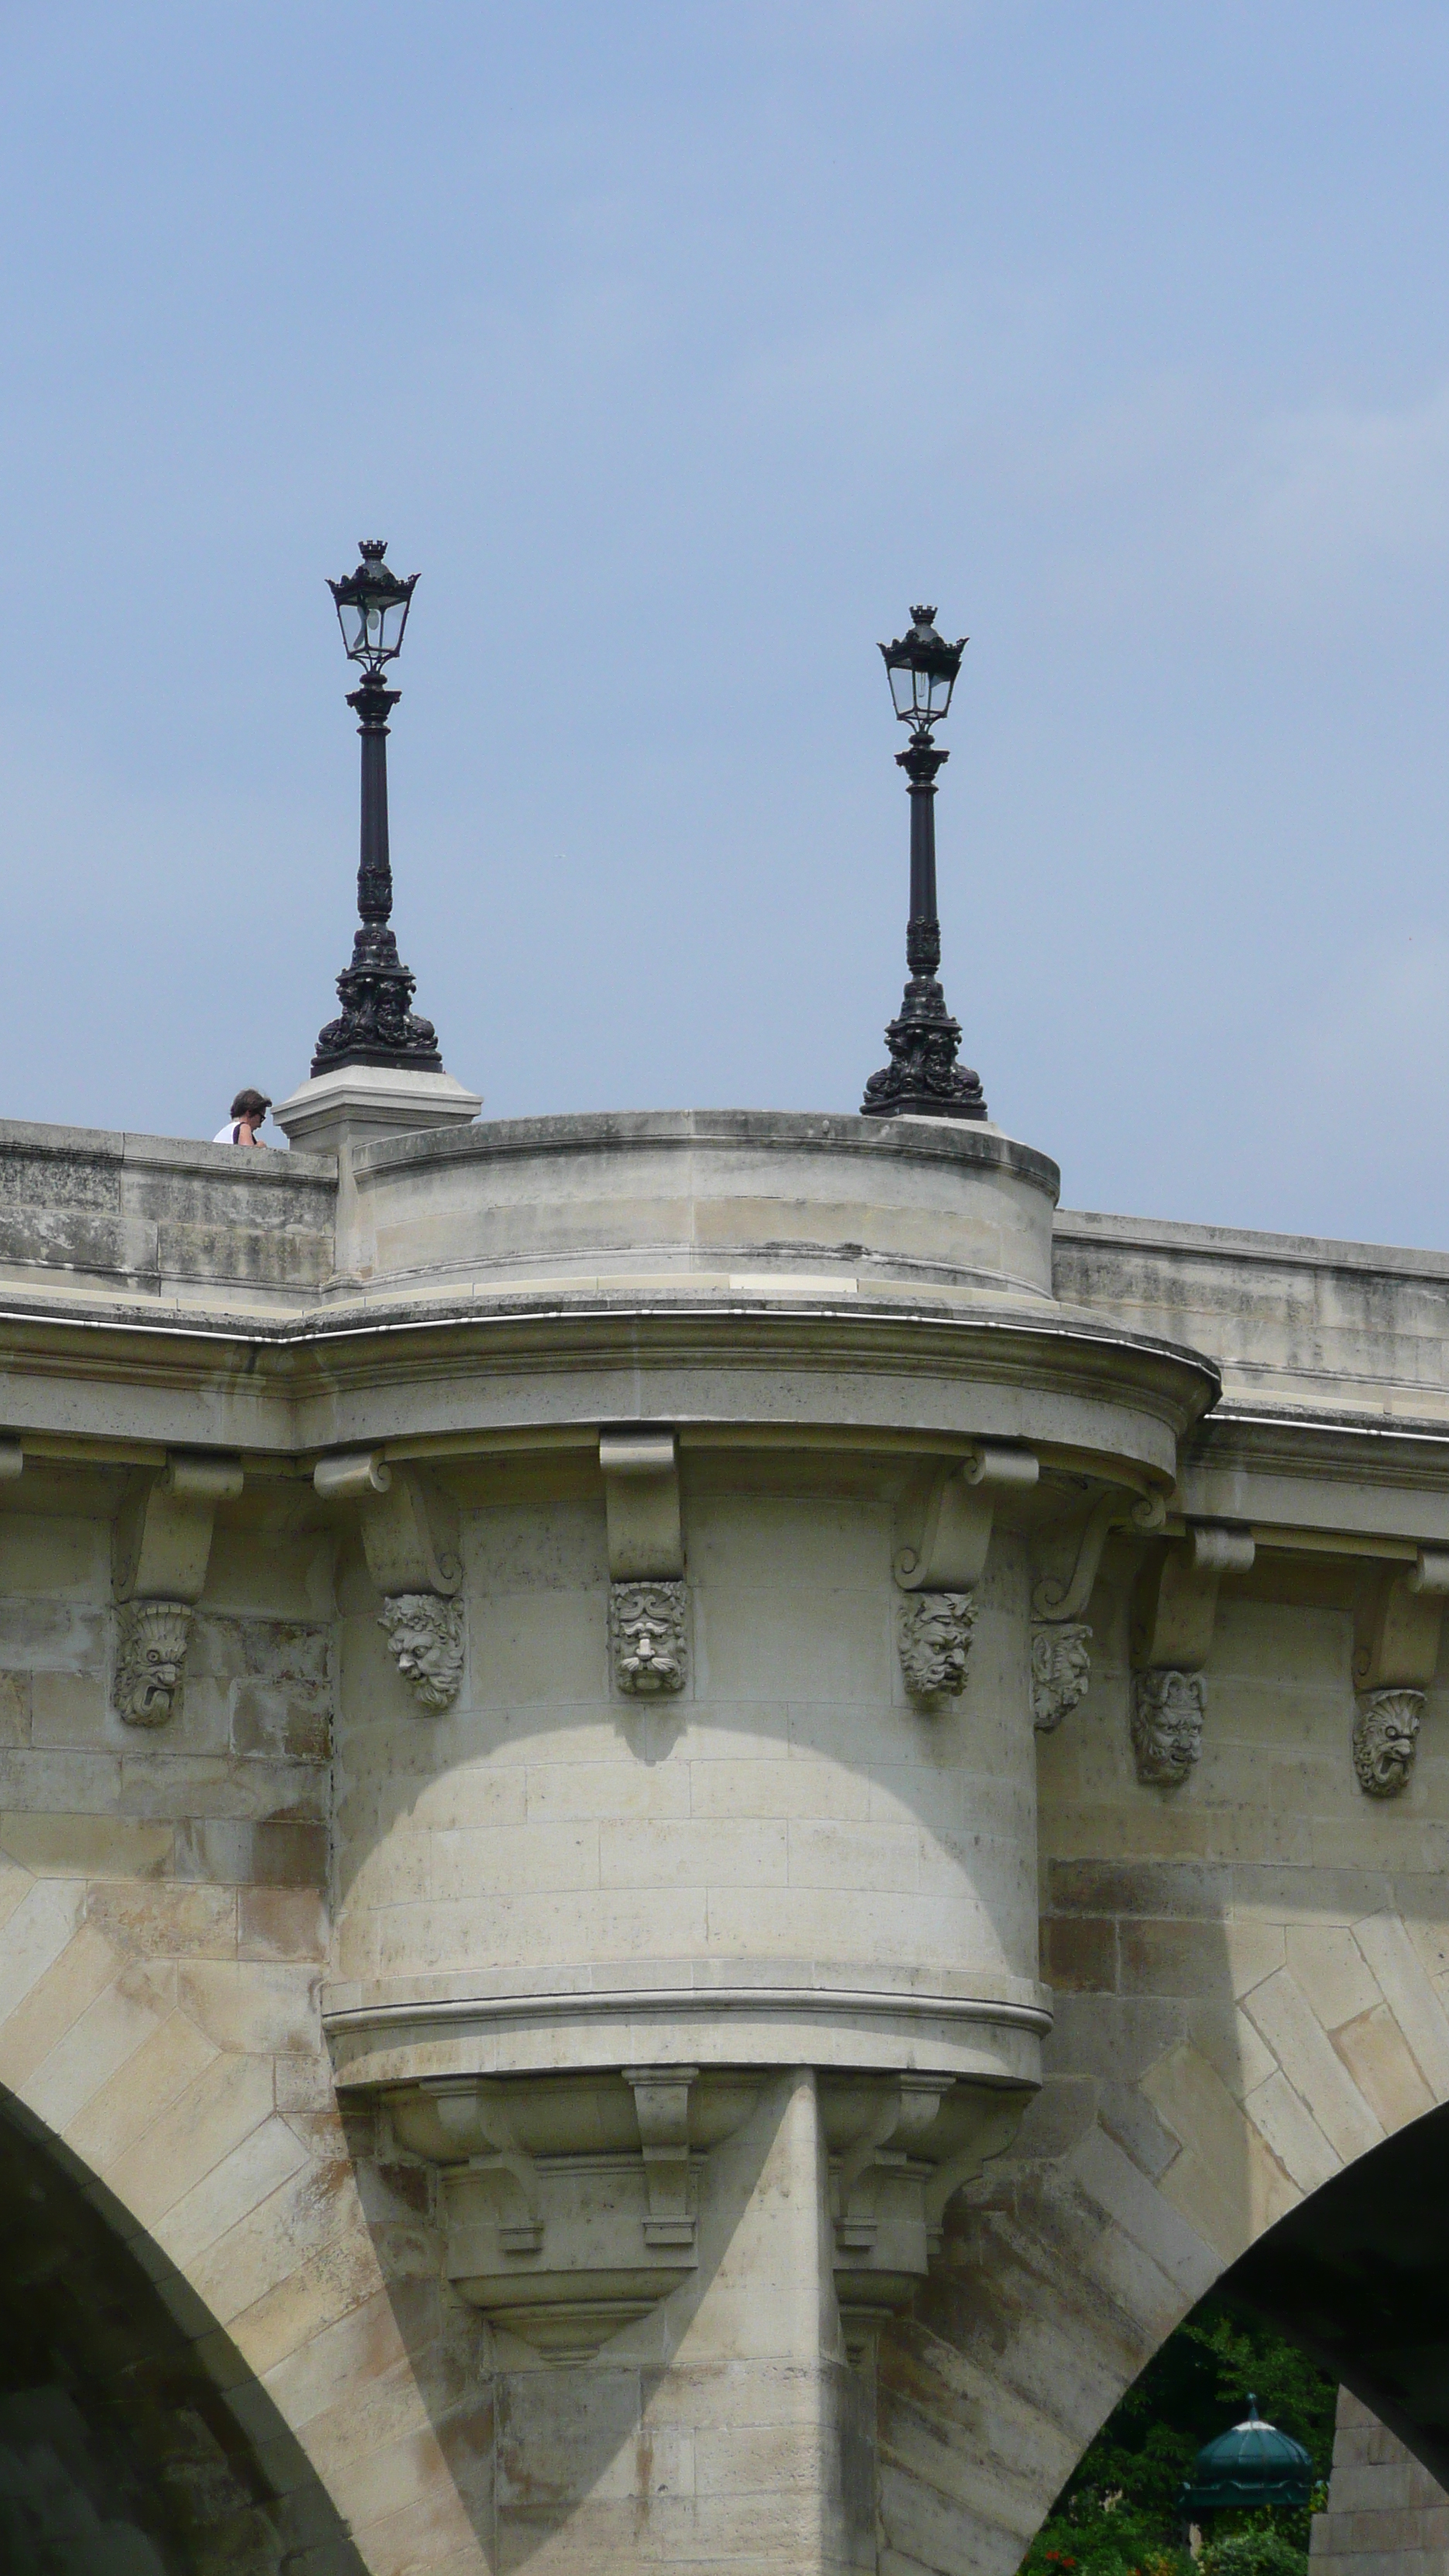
{"points": [[512, 1363]]}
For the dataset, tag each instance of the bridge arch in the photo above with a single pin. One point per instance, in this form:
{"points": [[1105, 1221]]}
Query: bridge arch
{"points": [[1247, 2086], [133, 2440]]}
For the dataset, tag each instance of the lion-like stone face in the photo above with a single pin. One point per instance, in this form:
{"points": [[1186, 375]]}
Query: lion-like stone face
{"points": [[647, 1637], [935, 1642], [1061, 1668], [426, 1636], [1385, 1739], [1167, 1714], [149, 1661]]}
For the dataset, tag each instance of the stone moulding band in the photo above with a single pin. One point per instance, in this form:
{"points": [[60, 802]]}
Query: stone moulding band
{"points": [[689, 2000]]}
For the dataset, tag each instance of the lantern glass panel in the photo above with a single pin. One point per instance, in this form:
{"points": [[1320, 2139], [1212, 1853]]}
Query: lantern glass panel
{"points": [[386, 619], [352, 619], [903, 688], [938, 687]]}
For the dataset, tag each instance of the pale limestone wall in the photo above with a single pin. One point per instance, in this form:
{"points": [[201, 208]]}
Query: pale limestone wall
{"points": [[1252, 1987], [1343, 1327], [1386, 2516], [163, 1929], [1249, 1969], [706, 1192], [791, 1808], [1250, 1981], [158, 1216]]}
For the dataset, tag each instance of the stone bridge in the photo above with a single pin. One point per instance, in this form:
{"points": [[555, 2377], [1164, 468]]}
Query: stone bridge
{"points": [[698, 1812]]}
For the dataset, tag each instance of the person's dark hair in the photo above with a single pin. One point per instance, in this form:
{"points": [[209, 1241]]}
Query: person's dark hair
{"points": [[250, 1104]]}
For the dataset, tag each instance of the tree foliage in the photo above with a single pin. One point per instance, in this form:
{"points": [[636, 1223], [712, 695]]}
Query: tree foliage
{"points": [[1118, 2513]]}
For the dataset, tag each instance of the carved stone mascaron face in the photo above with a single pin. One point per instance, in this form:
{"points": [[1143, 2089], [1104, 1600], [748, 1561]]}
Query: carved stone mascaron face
{"points": [[1167, 1713], [935, 1638], [151, 1660], [426, 1635], [647, 1627], [1385, 1738], [1061, 1671]]}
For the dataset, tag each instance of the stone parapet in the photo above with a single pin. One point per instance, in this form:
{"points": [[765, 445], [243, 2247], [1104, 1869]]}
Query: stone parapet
{"points": [[539, 1734]]}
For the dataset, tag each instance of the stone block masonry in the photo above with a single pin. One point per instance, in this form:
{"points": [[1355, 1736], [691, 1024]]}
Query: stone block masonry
{"points": [[580, 1896]]}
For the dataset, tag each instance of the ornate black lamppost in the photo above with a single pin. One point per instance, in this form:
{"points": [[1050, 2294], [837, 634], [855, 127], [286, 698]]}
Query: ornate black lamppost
{"points": [[923, 1077], [376, 1026]]}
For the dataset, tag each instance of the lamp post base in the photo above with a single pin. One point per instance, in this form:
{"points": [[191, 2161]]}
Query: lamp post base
{"points": [[923, 1079], [359, 1103]]}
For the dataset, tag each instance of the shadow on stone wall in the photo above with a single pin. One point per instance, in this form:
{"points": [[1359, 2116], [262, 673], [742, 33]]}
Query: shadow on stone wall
{"points": [[133, 2439], [1359, 2275]]}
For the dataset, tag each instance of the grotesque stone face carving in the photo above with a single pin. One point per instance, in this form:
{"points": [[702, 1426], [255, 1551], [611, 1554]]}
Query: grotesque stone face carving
{"points": [[647, 1637], [151, 1652], [1385, 1739], [426, 1636], [1167, 1713], [1061, 1668], [935, 1642]]}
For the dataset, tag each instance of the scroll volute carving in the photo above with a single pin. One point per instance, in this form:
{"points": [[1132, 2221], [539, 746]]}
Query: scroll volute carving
{"points": [[410, 1540], [1397, 1625], [1175, 1602], [945, 1516], [648, 1597], [1397, 1622], [1174, 1610], [161, 1548], [943, 1536]]}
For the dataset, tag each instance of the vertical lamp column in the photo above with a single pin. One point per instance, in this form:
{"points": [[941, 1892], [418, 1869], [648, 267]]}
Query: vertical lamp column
{"points": [[377, 1024], [923, 1078]]}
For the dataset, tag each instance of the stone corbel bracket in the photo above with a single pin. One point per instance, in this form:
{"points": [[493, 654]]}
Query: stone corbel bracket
{"points": [[1056, 1599], [901, 2146], [1395, 1651], [1061, 1660], [565, 2217], [1174, 1608], [570, 2201], [413, 1561], [648, 1601], [943, 1536], [160, 1552]]}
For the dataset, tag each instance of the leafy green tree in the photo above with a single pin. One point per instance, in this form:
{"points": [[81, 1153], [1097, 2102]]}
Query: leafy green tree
{"points": [[1118, 2513]]}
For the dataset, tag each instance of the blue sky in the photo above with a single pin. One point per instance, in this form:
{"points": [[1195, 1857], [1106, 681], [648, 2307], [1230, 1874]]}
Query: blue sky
{"points": [[680, 348]]}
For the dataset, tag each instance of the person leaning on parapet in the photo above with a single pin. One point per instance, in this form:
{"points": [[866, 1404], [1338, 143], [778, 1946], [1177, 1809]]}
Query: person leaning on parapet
{"points": [[247, 1113]]}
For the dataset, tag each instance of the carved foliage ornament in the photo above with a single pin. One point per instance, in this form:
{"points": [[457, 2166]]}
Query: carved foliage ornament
{"points": [[935, 1642], [1385, 1739], [426, 1636], [1061, 1668], [647, 1637], [150, 1657], [1167, 1714]]}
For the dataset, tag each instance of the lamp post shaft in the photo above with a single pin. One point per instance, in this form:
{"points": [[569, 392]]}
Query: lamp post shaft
{"points": [[374, 704], [923, 1078], [923, 930], [377, 1024]]}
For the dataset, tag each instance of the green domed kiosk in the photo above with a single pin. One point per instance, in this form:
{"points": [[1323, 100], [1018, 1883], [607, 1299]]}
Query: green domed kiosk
{"points": [[1253, 2464]]}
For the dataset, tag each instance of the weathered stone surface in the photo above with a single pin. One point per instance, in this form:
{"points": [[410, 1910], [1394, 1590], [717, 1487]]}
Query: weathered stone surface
{"points": [[792, 1874]]}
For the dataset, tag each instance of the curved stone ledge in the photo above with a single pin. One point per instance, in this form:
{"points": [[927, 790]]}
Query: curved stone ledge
{"points": [[393, 2037], [571, 2202]]}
